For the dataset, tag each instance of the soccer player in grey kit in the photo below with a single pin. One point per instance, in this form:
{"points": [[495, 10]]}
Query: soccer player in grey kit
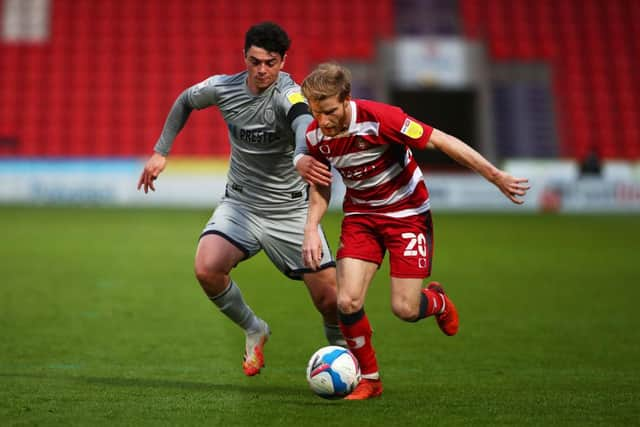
{"points": [[265, 202]]}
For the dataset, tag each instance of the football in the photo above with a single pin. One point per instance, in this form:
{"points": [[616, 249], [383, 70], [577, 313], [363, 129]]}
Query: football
{"points": [[333, 372]]}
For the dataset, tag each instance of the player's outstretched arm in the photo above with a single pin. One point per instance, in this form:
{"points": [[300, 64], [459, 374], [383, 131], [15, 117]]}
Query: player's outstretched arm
{"points": [[319, 197], [176, 119], [512, 187], [152, 169]]}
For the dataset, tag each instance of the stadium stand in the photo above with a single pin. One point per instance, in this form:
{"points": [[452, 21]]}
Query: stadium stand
{"points": [[104, 80], [593, 49]]}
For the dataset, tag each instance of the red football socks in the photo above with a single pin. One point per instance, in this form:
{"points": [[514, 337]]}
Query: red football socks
{"points": [[431, 303], [357, 331]]}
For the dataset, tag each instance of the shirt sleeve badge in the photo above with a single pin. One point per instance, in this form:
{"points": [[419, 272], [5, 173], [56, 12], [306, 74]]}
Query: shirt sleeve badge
{"points": [[412, 129], [295, 97]]}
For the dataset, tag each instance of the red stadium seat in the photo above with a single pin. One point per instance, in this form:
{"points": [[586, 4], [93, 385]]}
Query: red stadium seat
{"points": [[593, 48], [119, 65]]}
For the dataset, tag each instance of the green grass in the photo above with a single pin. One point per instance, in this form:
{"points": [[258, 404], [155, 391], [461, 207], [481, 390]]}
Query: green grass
{"points": [[103, 323]]}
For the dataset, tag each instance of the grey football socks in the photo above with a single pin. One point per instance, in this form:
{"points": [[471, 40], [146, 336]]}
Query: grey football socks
{"points": [[232, 304], [334, 335]]}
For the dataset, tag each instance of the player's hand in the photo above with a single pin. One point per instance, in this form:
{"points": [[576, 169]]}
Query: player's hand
{"points": [[312, 248], [512, 187], [152, 169], [313, 171]]}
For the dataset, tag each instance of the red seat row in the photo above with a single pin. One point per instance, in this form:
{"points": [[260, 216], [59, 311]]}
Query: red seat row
{"points": [[594, 51], [104, 81]]}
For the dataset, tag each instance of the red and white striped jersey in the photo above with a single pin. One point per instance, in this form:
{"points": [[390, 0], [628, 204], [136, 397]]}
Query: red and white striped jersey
{"points": [[374, 158]]}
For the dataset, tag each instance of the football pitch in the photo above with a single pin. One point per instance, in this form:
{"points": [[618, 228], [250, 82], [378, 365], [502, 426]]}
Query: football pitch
{"points": [[103, 322]]}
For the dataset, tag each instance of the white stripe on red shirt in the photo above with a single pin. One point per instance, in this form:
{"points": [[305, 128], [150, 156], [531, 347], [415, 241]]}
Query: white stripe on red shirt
{"points": [[374, 158]]}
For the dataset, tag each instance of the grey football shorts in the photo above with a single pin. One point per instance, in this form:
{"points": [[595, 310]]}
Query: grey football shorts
{"points": [[279, 234]]}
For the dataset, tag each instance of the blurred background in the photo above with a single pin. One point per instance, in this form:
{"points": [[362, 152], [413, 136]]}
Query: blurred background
{"points": [[546, 89]]}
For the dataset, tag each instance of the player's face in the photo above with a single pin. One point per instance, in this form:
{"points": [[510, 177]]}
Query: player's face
{"points": [[333, 115], [263, 68]]}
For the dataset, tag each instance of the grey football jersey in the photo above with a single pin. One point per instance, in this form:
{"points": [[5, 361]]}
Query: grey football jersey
{"points": [[261, 172]]}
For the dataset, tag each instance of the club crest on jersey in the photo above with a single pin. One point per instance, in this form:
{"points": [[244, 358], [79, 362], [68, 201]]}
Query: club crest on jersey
{"points": [[269, 116], [412, 129], [324, 149]]}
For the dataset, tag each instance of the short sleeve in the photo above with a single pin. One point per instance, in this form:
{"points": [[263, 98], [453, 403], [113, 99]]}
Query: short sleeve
{"points": [[293, 103], [401, 128]]}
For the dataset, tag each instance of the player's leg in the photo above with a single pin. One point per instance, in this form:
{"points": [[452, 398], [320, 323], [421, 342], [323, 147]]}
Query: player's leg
{"points": [[215, 257], [322, 290], [354, 277], [282, 242], [410, 302], [359, 257], [410, 244], [407, 298]]}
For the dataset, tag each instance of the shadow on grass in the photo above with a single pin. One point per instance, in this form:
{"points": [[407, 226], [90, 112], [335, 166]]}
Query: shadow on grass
{"points": [[155, 383], [284, 395], [189, 385]]}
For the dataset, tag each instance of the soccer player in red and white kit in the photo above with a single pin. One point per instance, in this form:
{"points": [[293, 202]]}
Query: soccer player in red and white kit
{"points": [[386, 207]]}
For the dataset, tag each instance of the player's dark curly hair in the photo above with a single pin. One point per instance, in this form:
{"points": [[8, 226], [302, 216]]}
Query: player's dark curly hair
{"points": [[268, 36]]}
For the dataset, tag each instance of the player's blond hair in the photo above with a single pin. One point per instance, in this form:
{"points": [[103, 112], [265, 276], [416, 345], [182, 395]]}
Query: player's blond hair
{"points": [[327, 80]]}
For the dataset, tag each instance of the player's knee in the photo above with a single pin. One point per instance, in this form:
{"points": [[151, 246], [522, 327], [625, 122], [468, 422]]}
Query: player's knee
{"points": [[326, 303], [322, 288], [202, 273], [209, 278], [405, 311], [348, 304]]}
